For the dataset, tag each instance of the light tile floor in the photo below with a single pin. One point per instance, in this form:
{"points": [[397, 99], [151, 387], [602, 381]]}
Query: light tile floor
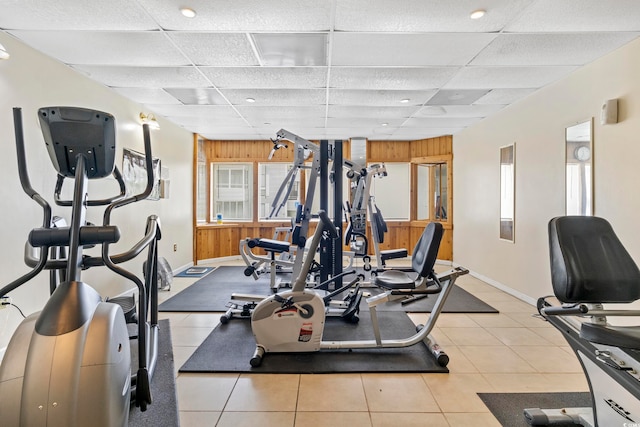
{"points": [[508, 352]]}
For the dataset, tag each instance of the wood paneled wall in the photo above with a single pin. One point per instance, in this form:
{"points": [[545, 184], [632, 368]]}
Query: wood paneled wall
{"points": [[213, 240]]}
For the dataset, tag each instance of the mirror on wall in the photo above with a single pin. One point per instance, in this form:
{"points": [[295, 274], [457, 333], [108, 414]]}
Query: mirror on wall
{"points": [[432, 190], [507, 191], [579, 169]]}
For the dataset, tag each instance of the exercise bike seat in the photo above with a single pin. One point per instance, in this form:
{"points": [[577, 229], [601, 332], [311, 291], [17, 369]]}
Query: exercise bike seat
{"points": [[424, 258], [589, 265]]}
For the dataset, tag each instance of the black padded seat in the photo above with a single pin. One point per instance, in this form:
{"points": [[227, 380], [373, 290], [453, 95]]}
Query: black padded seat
{"points": [[617, 336], [424, 258], [270, 245]]}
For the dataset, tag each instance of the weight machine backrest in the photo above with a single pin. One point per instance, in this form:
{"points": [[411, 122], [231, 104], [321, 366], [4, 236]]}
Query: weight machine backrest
{"points": [[425, 253]]}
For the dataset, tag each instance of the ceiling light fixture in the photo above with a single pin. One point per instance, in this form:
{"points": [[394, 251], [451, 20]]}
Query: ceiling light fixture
{"points": [[384, 124], [477, 14], [3, 52], [404, 101], [149, 119], [188, 12], [250, 100]]}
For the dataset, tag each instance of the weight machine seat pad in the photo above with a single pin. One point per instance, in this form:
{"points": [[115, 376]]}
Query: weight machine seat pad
{"points": [[394, 279], [272, 245], [617, 336], [393, 254], [589, 264]]}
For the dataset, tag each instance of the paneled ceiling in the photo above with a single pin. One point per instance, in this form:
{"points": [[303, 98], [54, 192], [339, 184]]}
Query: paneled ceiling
{"points": [[335, 69]]}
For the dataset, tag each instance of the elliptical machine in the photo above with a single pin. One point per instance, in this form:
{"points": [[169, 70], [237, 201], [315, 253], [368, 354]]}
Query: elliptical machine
{"points": [[71, 363]]}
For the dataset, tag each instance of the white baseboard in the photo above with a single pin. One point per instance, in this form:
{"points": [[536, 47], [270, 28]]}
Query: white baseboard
{"points": [[223, 258], [502, 287]]}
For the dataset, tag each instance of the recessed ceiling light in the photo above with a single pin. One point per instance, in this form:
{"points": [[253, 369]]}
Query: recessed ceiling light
{"points": [[477, 14], [404, 101], [250, 100], [188, 12], [384, 124]]}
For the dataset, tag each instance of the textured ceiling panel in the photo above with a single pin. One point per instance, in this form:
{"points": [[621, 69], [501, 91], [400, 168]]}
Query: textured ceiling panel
{"points": [[145, 95], [253, 112], [438, 122], [458, 110], [290, 50], [197, 96], [550, 49], [425, 16], [507, 77], [267, 77], [244, 15], [74, 15], [105, 47], [185, 112], [276, 97], [389, 98], [221, 49], [390, 78], [376, 112], [504, 96], [578, 15], [144, 76], [450, 70], [457, 96], [406, 50]]}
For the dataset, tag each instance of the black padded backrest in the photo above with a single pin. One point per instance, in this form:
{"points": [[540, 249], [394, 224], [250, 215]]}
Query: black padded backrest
{"points": [[381, 224], [589, 263], [425, 253]]}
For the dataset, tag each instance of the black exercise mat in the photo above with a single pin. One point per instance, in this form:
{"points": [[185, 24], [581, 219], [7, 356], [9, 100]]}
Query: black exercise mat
{"points": [[230, 347], [164, 409], [213, 292], [508, 408]]}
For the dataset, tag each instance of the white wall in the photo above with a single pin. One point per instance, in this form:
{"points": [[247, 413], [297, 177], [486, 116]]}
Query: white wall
{"points": [[30, 80], [536, 125]]}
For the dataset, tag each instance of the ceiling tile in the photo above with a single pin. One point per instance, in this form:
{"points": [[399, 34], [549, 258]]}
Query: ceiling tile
{"points": [[148, 77], [245, 15], [507, 77], [550, 49], [504, 96], [114, 15], [219, 49], [378, 97], [425, 16], [578, 15], [267, 77], [273, 97], [363, 122], [289, 50], [146, 95], [406, 50], [274, 113], [440, 122], [277, 124], [422, 133], [458, 110], [105, 47], [188, 112], [197, 96], [390, 78], [457, 96], [373, 112]]}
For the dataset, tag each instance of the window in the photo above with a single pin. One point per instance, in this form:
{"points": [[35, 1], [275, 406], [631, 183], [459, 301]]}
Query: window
{"points": [[273, 177], [231, 194], [392, 193]]}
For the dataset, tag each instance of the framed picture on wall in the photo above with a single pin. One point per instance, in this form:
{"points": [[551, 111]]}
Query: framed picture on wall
{"points": [[134, 173]]}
